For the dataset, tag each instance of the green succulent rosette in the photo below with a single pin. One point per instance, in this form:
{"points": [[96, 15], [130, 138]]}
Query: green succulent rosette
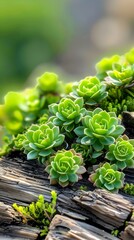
{"points": [[65, 168], [121, 153], [91, 89], [48, 82], [107, 177], [68, 113], [120, 75], [41, 141], [99, 129]]}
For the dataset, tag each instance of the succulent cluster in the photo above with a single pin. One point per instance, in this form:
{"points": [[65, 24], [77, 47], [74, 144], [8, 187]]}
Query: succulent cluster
{"points": [[69, 127]]}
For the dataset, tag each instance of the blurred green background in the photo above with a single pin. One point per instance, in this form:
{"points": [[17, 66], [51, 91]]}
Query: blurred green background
{"points": [[31, 32], [38, 35]]}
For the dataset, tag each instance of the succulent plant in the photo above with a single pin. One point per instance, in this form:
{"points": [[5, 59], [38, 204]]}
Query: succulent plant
{"points": [[99, 129], [108, 177], [67, 113], [129, 188], [41, 141], [48, 82], [91, 89], [31, 105], [65, 168], [87, 152], [121, 153], [11, 113], [18, 141], [105, 64], [130, 56], [39, 213], [21, 109], [120, 75]]}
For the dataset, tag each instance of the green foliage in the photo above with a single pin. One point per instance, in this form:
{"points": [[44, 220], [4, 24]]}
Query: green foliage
{"points": [[120, 75], [48, 82], [99, 129], [65, 168], [83, 188], [68, 113], [91, 89], [118, 106], [105, 65], [121, 153], [129, 188], [19, 141], [130, 56], [88, 153], [108, 177], [22, 109], [34, 36], [115, 232], [39, 213], [80, 118], [41, 141]]}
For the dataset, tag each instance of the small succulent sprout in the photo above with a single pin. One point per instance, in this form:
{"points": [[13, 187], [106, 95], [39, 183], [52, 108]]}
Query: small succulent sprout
{"points": [[105, 64], [99, 129], [18, 141], [41, 141], [68, 113], [121, 153], [48, 82], [120, 75], [91, 89], [107, 177], [65, 168]]}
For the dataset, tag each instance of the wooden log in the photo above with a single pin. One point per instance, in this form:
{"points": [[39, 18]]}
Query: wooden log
{"points": [[22, 181], [128, 233], [64, 228], [22, 232], [8, 216], [109, 209]]}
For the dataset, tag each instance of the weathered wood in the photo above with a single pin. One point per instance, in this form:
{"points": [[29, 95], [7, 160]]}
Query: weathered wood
{"points": [[22, 232], [8, 215], [128, 233], [109, 209], [22, 181], [64, 228]]}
